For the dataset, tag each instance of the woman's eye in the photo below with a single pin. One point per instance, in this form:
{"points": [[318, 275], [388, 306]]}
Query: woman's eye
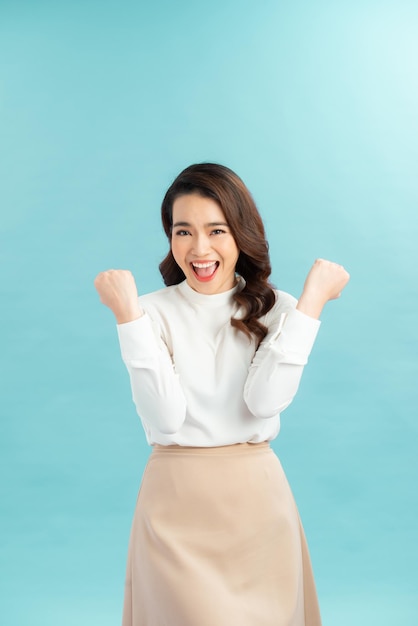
{"points": [[182, 233], [217, 231]]}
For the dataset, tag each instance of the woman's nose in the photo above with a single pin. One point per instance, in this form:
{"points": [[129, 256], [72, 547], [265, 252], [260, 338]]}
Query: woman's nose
{"points": [[201, 245]]}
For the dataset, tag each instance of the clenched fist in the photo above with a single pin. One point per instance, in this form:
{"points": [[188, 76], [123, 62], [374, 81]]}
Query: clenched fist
{"points": [[325, 282], [117, 290]]}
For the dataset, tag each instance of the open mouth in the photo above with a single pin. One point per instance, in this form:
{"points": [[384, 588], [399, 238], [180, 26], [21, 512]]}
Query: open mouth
{"points": [[205, 271]]}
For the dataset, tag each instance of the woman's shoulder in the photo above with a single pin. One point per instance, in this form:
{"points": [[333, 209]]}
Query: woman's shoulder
{"points": [[161, 306], [285, 302], [160, 296]]}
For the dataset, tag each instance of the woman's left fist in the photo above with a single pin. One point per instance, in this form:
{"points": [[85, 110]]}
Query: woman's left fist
{"points": [[326, 280]]}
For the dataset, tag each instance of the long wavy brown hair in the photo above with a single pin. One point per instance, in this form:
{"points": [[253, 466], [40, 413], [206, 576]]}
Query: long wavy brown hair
{"points": [[218, 182]]}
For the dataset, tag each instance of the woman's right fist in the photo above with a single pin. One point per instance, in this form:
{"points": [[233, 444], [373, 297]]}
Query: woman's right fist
{"points": [[117, 290]]}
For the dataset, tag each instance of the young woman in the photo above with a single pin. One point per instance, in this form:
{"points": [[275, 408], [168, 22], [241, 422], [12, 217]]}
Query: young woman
{"points": [[213, 359]]}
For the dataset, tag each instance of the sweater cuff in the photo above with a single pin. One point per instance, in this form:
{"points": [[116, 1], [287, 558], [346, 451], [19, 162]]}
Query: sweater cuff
{"points": [[137, 339], [297, 333]]}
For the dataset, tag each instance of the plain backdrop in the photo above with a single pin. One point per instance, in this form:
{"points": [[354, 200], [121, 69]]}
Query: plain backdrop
{"points": [[314, 104]]}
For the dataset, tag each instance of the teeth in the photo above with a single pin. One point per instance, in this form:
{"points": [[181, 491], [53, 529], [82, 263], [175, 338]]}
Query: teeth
{"points": [[203, 265]]}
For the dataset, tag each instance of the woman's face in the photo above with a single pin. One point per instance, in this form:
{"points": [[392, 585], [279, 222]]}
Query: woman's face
{"points": [[202, 244]]}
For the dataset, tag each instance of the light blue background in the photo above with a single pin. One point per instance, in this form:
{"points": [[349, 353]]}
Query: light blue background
{"points": [[314, 104]]}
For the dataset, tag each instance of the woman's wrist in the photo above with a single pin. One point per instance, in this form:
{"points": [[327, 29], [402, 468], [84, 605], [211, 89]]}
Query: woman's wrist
{"points": [[128, 315], [311, 304]]}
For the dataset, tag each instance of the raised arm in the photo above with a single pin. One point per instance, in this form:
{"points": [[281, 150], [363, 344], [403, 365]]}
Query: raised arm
{"points": [[277, 367], [156, 389]]}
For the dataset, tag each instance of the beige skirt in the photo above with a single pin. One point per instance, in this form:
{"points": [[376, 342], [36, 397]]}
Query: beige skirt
{"points": [[216, 541]]}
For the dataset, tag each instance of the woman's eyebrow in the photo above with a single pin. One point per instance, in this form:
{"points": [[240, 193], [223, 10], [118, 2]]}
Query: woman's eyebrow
{"points": [[206, 225], [181, 224]]}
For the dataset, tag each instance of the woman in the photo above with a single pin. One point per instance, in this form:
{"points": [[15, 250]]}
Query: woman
{"points": [[213, 359]]}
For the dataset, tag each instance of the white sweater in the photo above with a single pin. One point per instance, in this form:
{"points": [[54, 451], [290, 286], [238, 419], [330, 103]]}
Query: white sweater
{"points": [[197, 381]]}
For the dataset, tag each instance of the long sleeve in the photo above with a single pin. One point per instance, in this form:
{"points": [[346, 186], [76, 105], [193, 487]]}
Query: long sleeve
{"points": [[276, 369], [156, 389]]}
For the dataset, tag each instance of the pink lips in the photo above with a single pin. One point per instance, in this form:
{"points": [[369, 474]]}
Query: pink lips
{"points": [[202, 274]]}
